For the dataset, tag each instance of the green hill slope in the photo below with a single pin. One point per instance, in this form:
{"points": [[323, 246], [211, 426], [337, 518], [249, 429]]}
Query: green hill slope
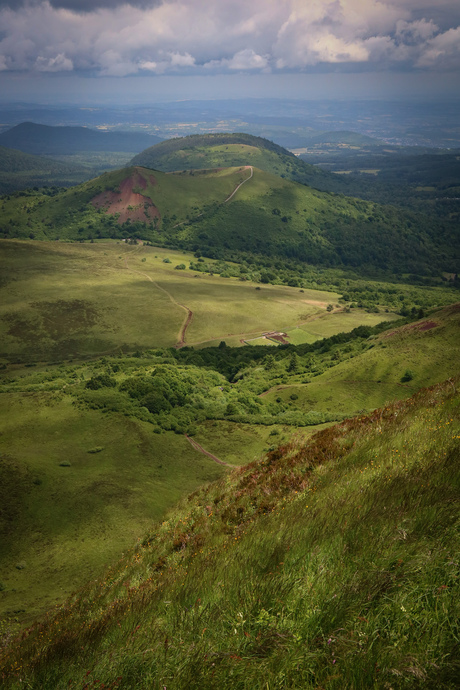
{"points": [[331, 563], [20, 170], [230, 212], [13, 161], [101, 443], [227, 150]]}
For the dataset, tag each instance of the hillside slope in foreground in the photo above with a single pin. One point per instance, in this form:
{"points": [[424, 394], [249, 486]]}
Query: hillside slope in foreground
{"points": [[331, 563]]}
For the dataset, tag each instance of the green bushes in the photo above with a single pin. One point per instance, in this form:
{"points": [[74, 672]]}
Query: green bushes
{"points": [[407, 376], [101, 381]]}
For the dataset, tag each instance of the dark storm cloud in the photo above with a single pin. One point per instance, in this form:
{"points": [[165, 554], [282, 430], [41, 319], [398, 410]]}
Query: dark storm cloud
{"points": [[82, 5], [116, 38]]}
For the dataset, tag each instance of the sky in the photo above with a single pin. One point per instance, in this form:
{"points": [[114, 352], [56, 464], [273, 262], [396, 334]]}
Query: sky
{"points": [[151, 50]]}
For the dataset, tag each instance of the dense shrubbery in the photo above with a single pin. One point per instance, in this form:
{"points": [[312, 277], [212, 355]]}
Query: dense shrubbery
{"points": [[178, 389]]}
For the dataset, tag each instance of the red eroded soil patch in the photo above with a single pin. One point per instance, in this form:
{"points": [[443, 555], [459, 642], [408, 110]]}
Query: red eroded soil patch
{"points": [[424, 326], [279, 339], [127, 203], [427, 325]]}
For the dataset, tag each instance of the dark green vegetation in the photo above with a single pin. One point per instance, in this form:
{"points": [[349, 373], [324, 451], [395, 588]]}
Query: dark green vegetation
{"points": [[268, 219], [331, 563], [30, 137], [422, 179], [21, 170]]}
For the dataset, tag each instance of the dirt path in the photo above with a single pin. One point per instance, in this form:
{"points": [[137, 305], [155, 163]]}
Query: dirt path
{"points": [[181, 341], [200, 449], [185, 325], [188, 319], [248, 167]]}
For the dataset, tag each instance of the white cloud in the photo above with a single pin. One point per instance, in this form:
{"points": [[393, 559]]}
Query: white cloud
{"points": [[59, 63], [178, 60], [112, 64], [247, 59], [225, 35], [442, 51]]}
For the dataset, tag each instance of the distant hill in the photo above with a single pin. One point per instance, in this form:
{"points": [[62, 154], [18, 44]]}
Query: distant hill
{"points": [[30, 137], [233, 212], [226, 150], [19, 170], [14, 161]]}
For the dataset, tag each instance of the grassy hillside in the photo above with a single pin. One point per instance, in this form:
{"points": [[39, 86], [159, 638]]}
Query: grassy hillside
{"points": [[254, 582], [77, 214], [101, 444], [47, 140], [227, 150], [233, 213]]}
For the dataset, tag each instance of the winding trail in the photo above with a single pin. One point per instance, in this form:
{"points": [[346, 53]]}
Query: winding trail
{"points": [[247, 167], [188, 318], [185, 325], [200, 449]]}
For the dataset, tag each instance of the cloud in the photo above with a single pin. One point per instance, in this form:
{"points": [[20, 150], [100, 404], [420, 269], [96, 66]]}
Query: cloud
{"points": [[115, 38], [245, 59], [59, 63], [82, 5], [413, 32], [178, 60], [442, 51]]}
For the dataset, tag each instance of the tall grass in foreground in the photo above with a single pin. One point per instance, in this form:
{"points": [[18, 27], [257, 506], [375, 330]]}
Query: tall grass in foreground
{"points": [[333, 564]]}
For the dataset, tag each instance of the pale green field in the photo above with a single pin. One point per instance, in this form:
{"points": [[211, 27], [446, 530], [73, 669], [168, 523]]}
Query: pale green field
{"points": [[265, 342], [68, 300], [327, 325], [239, 444]]}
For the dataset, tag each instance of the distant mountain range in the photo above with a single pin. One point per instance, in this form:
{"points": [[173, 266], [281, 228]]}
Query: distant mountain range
{"points": [[37, 139]]}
